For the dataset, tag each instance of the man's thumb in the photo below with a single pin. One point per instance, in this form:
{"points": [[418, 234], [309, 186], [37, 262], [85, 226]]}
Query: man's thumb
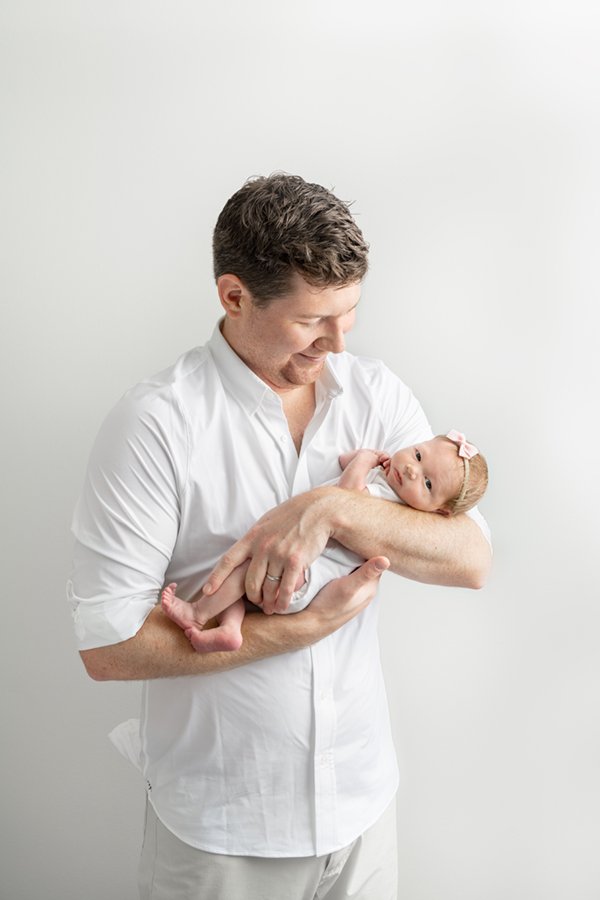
{"points": [[374, 567]]}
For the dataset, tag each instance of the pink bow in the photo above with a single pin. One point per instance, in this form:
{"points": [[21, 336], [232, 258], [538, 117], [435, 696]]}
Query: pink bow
{"points": [[466, 450]]}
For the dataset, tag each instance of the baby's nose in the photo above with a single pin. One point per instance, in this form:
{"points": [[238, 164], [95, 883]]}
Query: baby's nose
{"points": [[411, 472]]}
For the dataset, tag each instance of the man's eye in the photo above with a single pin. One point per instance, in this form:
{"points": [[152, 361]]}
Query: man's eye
{"points": [[418, 456], [428, 484]]}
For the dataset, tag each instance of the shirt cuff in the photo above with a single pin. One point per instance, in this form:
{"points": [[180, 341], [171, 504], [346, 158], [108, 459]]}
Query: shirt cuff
{"points": [[101, 621]]}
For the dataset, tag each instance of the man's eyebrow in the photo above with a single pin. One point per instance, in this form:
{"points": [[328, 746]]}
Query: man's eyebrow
{"points": [[301, 315]]}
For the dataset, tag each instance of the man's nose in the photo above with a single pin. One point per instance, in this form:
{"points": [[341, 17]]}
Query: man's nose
{"points": [[333, 341]]}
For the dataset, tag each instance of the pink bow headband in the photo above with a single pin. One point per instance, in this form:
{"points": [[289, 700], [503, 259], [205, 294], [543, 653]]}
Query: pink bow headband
{"points": [[466, 451]]}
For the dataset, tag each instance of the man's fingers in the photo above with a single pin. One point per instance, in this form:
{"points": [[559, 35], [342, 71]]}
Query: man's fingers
{"points": [[235, 556], [287, 586], [277, 594], [273, 593], [255, 579], [344, 598], [270, 590], [361, 585]]}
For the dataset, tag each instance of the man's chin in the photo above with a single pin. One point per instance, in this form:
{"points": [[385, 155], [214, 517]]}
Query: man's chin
{"points": [[304, 373]]}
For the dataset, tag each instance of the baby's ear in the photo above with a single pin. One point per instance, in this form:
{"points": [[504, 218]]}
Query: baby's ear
{"points": [[443, 511]]}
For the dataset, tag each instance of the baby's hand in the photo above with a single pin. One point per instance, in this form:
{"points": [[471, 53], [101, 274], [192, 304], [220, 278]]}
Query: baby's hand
{"points": [[384, 461], [346, 458], [357, 465]]}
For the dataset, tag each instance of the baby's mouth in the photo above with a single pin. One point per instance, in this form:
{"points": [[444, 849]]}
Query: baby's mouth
{"points": [[398, 477]]}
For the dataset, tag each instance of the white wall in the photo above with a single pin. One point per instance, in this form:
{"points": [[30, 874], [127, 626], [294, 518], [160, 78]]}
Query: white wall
{"points": [[468, 135]]}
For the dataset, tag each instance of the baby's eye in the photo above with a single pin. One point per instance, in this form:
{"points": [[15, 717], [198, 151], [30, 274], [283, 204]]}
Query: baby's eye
{"points": [[418, 455], [428, 484]]}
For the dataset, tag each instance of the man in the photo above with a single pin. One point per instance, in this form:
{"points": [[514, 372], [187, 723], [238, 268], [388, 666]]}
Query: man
{"points": [[270, 770]]}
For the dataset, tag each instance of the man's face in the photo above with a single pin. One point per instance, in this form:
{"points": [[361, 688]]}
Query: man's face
{"points": [[287, 342]]}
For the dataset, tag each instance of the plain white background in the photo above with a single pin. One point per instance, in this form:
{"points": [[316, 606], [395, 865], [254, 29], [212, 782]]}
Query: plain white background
{"points": [[467, 133]]}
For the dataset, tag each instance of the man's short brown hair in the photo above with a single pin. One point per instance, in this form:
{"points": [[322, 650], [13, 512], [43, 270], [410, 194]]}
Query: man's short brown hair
{"points": [[279, 225]]}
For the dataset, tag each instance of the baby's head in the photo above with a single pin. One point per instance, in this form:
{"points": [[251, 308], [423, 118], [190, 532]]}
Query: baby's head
{"points": [[446, 475]]}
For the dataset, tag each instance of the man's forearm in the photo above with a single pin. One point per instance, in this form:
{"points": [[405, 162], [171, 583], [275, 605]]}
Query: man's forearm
{"points": [[161, 650], [421, 546], [287, 540]]}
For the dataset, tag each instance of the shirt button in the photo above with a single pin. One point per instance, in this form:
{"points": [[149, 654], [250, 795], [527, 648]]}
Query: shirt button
{"points": [[283, 438]]}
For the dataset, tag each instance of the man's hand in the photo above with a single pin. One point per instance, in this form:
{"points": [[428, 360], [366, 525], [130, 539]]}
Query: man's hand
{"points": [[283, 543], [161, 650], [287, 540], [349, 595]]}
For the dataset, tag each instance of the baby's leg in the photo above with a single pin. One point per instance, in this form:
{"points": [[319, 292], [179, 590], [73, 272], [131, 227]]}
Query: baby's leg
{"points": [[226, 636], [225, 604], [198, 612]]}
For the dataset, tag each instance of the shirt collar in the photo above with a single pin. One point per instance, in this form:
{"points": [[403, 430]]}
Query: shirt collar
{"points": [[247, 387]]}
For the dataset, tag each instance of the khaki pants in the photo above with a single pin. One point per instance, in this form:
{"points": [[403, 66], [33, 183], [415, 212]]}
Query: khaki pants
{"points": [[365, 870]]}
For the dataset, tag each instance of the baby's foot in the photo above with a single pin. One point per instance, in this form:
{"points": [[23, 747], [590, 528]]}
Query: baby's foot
{"points": [[213, 640], [227, 636], [177, 610]]}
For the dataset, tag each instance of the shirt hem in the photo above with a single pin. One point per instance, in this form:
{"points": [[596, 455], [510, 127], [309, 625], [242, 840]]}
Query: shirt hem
{"points": [[282, 854]]}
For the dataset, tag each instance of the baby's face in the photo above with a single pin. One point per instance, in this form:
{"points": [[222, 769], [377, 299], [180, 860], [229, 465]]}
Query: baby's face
{"points": [[427, 475]]}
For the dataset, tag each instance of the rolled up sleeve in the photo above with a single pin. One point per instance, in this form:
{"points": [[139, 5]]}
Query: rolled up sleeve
{"points": [[126, 521]]}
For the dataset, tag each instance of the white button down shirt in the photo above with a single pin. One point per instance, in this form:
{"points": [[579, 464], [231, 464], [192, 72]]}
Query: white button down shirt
{"points": [[287, 756]]}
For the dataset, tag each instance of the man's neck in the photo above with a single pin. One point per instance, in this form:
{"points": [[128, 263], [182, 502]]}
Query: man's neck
{"points": [[299, 407], [298, 401]]}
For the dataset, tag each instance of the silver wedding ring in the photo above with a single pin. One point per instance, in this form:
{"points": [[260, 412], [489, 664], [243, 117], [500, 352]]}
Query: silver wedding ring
{"points": [[273, 577]]}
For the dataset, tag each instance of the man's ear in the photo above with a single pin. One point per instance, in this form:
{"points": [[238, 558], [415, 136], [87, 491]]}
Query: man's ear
{"points": [[443, 511], [232, 294]]}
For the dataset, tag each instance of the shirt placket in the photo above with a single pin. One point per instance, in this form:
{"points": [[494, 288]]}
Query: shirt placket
{"points": [[324, 749], [323, 667], [271, 418], [296, 473]]}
